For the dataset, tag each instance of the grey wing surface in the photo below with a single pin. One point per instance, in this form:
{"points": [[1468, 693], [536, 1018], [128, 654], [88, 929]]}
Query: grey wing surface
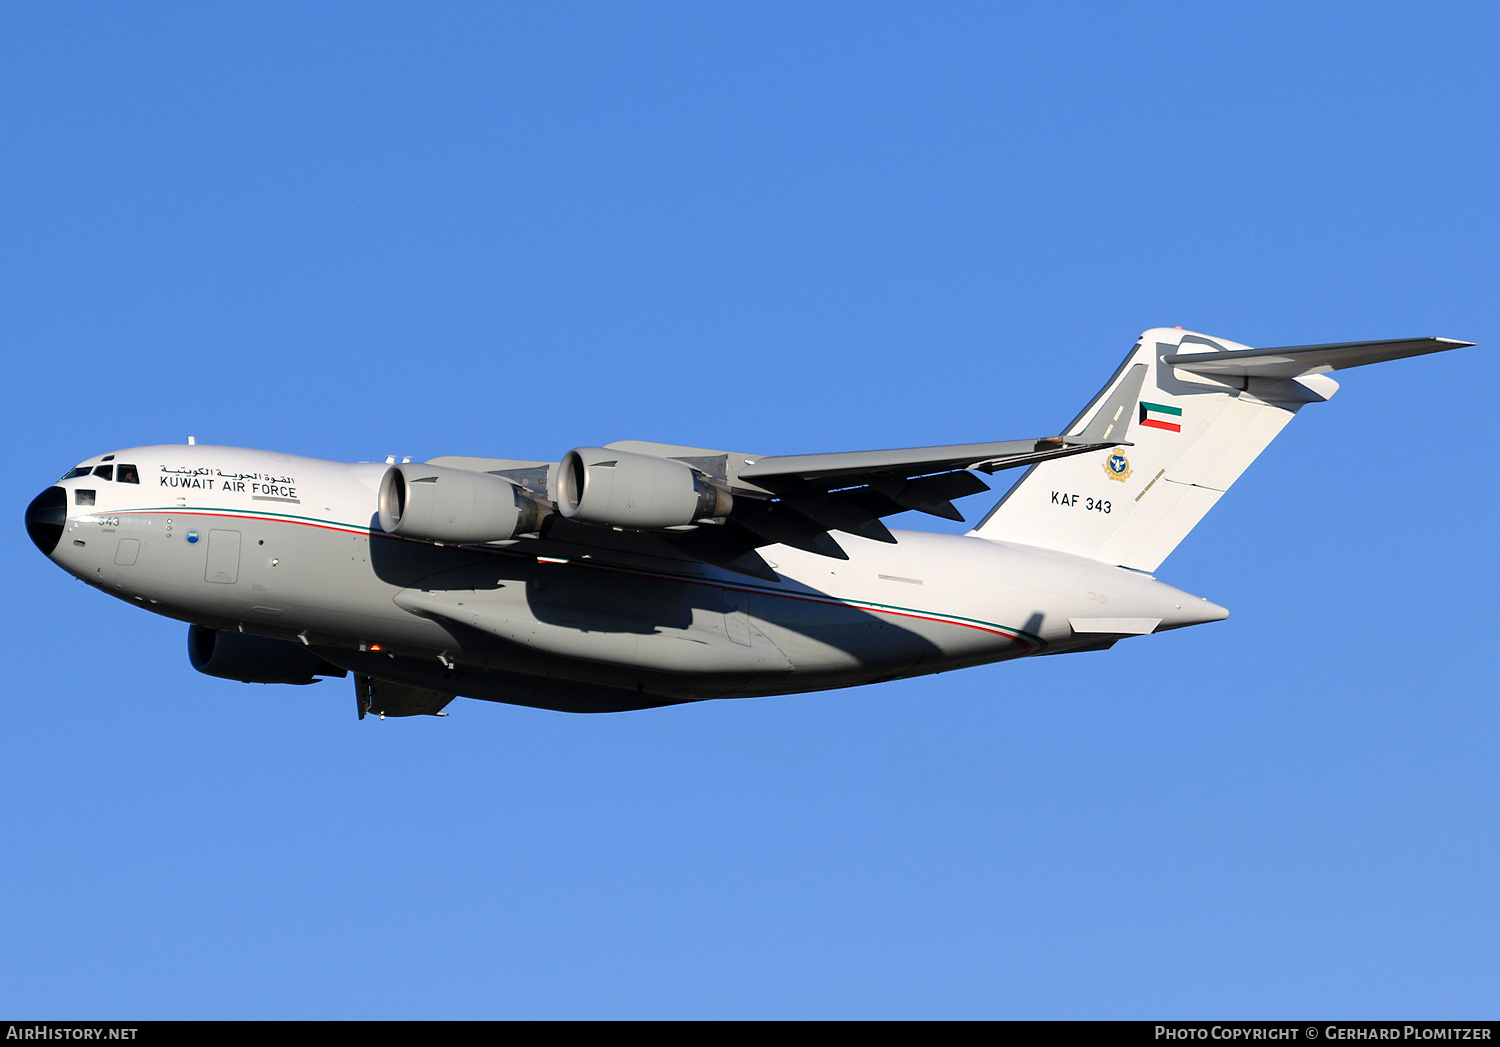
{"points": [[799, 500]]}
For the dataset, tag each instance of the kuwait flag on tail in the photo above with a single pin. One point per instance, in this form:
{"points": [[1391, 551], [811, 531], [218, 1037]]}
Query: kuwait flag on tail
{"points": [[1160, 416]]}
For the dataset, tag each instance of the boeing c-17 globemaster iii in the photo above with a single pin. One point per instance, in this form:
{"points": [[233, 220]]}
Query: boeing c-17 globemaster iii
{"points": [[642, 574]]}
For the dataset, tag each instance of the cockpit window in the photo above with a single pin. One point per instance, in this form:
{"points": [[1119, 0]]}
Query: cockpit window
{"points": [[127, 474], [106, 471], [82, 470], [82, 497]]}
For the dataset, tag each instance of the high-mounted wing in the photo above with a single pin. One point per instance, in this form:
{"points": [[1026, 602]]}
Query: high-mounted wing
{"points": [[854, 468], [803, 497], [813, 494], [841, 467], [794, 500], [797, 500]]}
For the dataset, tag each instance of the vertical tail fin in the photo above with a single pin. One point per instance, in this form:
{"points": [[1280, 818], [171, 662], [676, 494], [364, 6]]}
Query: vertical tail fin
{"points": [[1184, 436]]}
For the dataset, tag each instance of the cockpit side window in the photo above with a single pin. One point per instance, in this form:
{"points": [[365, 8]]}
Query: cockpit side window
{"points": [[127, 474], [82, 497], [106, 471]]}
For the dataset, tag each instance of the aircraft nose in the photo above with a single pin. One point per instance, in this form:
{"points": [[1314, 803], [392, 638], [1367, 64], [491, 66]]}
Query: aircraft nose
{"points": [[45, 517]]}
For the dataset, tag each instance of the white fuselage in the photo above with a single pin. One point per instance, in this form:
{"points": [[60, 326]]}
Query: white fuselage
{"points": [[289, 547]]}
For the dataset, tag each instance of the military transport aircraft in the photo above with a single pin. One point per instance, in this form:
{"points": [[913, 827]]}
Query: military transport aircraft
{"points": [[643, 574]]}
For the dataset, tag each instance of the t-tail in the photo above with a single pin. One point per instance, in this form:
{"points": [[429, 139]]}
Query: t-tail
{"points": [[1188, 414]]}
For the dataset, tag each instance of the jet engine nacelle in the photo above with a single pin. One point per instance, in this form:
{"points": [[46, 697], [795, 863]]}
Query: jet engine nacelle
{"points": [[453, 505], [254, 659], [603, 486]]}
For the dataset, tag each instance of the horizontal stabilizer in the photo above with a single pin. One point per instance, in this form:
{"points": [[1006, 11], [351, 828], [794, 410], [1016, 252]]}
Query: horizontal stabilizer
{"points": [[1294, 361]]}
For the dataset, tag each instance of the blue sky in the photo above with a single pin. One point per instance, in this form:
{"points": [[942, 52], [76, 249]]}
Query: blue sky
{"points": [[350, 231]]}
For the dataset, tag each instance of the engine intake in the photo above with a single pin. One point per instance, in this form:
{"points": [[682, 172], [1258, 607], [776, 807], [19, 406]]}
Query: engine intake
{"points": [[454, 505], [603, 486], [254, 659]]}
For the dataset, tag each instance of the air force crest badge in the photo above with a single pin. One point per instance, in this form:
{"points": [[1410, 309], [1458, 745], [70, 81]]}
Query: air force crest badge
{"points": [[1117, 467]]}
